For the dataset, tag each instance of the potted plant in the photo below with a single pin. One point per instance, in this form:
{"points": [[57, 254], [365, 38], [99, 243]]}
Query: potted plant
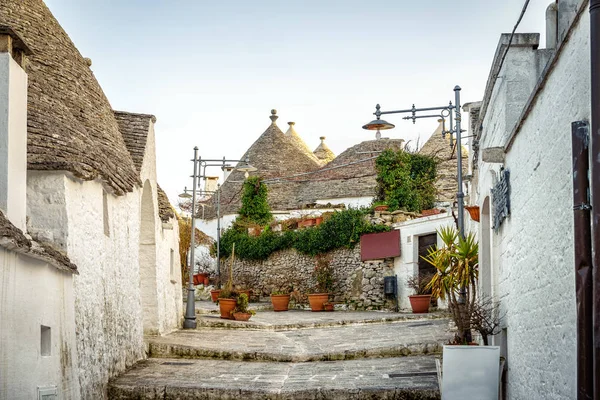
{"points": [[323, 275], [457, 271], [241, 311], [328, 306], [227, 302], [380, 206], [420, 300], [280, 300]]}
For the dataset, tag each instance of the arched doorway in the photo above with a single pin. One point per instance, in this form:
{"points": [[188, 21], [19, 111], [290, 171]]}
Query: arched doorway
{"points": [[148, 261]]}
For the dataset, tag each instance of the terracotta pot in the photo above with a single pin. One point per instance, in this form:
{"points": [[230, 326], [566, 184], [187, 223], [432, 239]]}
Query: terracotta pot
{"points": [[306, 222], [432, 211], [238, 316], [473, 212], [316, 301], [382, 207], [226, 306], [280, 302], [328, 306], [420, 303], [318, 221], [199, 279], [214, 295]]}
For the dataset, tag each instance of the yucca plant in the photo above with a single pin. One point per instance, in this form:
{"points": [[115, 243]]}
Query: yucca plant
{"points": [[457, 265]]}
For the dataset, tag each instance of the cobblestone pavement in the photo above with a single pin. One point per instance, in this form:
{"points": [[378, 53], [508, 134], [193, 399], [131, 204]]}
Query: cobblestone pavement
{"points": [[334, 343], [299, 319], [339, 355], [400, 378]]}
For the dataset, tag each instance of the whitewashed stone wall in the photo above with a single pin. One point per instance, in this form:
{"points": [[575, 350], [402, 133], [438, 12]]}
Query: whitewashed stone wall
{"points": [[33, 294], [359, 285], [532, 268], [109, 335]]}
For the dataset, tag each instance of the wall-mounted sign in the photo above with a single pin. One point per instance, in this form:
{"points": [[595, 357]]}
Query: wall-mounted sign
{"points": [[374, 246], [501, 199]]}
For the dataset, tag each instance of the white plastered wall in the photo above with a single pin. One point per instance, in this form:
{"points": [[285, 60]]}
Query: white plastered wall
{"points": [[13, 140], [33, 294], [107, 294], [166, 285], [407, 265], [532, 252]]}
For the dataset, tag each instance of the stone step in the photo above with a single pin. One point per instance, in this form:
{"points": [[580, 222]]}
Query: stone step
{"points": [[399, 338], [299, 319], [407, 378]]}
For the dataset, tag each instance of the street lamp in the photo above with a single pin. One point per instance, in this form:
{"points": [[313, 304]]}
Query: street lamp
{"points": [[444, 111], [245, 167]]}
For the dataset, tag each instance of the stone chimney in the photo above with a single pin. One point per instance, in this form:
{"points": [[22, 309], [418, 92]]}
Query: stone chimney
{"points": [[227, 169], [551, 26], [291, 131], [13, 127], [210, 184]]}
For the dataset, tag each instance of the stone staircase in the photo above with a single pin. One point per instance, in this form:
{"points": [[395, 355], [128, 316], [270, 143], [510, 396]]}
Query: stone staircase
{"points": [[292, 355]]}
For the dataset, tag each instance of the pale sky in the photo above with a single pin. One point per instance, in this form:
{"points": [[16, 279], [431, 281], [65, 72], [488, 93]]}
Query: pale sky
{"points": [[211, 71]]}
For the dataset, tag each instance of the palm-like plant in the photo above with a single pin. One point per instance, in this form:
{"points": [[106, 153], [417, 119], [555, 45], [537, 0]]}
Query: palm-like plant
{"points": [[457, 265]]}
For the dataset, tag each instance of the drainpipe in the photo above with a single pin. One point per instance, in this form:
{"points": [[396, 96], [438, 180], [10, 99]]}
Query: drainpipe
{"points": [[583, 260], [595, 177]]}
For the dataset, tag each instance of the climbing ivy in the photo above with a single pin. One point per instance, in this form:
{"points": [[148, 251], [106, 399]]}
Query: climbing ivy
{"points": [[255, 207], [341, 229], [406, 180]]}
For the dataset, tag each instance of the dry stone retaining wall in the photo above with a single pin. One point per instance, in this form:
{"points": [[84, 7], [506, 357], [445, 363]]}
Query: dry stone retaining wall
{"points": [[359, 284]]}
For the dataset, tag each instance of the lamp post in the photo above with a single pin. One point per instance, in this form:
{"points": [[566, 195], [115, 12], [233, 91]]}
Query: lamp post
{"points": [[445, 111], [245, 167], [190, 309]]}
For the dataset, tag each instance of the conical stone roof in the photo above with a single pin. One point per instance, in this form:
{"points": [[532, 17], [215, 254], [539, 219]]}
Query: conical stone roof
{"points": [[274, 155], [439, 147], [295, 138], [70, 122], [323, 152]]}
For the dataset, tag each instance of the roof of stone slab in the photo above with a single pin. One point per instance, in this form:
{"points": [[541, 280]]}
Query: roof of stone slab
{"points": [[71, 125], [323, 152], [165, 209], [274, 155], [439, 147], [297, 140], [12, 238], [134, 128]]}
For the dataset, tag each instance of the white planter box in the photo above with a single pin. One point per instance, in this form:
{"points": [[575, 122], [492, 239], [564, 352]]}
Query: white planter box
{"points": [[471, 372]]}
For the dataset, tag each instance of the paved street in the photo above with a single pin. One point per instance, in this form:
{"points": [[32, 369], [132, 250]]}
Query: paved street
{"points": [[336, 355], [389, 378]]}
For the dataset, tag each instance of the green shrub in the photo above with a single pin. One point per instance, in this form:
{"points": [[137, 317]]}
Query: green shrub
{"points": [[342, 229], [406, 180], [255, 207]]}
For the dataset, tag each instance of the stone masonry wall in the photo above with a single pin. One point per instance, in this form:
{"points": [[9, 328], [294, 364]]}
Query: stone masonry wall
{"points": [[359, 284]]}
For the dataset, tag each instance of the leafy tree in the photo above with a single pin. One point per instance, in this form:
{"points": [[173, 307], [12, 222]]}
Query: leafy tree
{"points": [[255, 207]]}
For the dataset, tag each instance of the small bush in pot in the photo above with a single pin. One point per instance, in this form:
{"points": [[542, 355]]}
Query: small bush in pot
{"points": [[241, 311], [227, 302], [421, 298], [323, 276]]}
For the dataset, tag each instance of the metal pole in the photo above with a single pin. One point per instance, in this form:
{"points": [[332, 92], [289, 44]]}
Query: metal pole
{"points": [[460, 194], [190, 310], [583, 260], [219, 233]]}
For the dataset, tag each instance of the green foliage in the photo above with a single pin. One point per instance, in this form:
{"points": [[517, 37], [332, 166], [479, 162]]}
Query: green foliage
{"points": [[323, 275], [406, 180], [241, 305], [457, 269], [255, 207], [341, 229]]}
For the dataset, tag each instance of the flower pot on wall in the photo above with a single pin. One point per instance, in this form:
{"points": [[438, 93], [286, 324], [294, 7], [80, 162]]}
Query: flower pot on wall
{"points": [[214, 295], [226, 306], [420, 303], [318, 221], [382, 207], [306, 222], [200, 279], [280, 302], [473, 212], [317, 301]]}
